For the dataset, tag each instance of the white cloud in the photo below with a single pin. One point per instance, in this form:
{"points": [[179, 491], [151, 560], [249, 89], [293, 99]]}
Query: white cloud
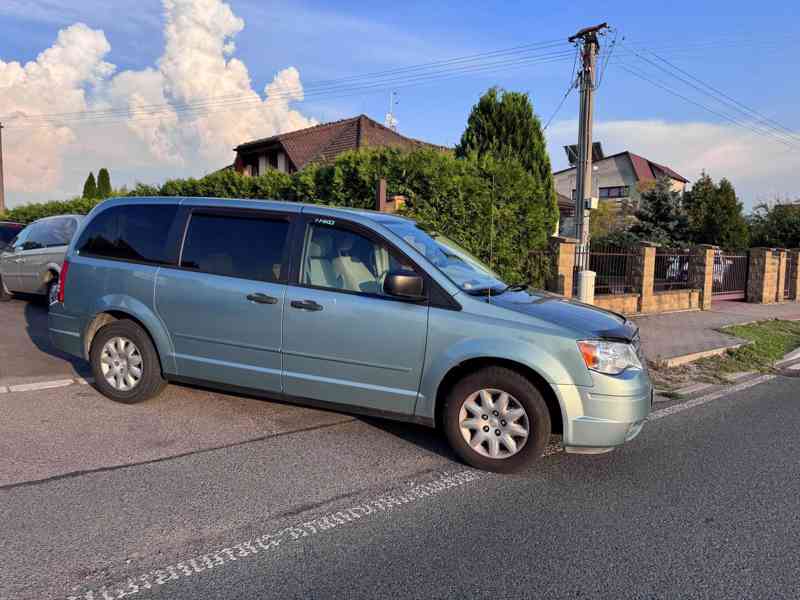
{"points": [[197, 64], [759, 168]]}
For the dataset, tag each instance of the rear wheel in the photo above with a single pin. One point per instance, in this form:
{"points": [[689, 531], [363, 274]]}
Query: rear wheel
{"points": [[496, 420], [5, 294], [125, 364], [52, 290]]}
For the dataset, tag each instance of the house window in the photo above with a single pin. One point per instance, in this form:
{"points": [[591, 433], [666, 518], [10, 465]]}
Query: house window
{"points": [[620, 191]]}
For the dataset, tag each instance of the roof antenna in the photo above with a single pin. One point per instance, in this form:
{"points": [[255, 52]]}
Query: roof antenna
{"points": [[390, 121]]}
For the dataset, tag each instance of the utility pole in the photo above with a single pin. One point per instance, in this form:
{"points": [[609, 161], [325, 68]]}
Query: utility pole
{"points": [[583, 189], [2, 184]]}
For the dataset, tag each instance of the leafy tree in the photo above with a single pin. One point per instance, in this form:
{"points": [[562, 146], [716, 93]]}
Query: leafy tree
{"points": [[776, 225], [103, 183], [90, 187], [661, 217], [503, 124], [715, 214]]}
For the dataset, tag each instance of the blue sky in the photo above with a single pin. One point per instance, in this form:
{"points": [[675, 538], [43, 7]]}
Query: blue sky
{"points": [[745, 49]]}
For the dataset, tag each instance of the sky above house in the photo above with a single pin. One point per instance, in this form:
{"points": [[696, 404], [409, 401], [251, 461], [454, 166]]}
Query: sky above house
{"points": [[158, 89]]}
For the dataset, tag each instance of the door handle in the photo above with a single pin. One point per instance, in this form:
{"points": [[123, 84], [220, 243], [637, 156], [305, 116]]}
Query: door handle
{"points": [[306, 305], [262, 299]]}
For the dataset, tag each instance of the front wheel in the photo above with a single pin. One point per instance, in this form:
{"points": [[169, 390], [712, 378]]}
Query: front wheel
{"points": [[125, 364], [496, 420]]}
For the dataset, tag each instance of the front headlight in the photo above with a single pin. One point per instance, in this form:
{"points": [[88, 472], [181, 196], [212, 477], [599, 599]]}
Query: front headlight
{"points": [[611, 358]]}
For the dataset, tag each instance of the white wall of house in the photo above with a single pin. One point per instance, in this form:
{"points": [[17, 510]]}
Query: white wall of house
{"points": [[282, 162], [611, 172], [262, 164]]}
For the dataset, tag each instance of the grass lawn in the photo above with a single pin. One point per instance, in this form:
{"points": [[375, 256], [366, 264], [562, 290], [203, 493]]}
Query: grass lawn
{"points": [[769, 342]]}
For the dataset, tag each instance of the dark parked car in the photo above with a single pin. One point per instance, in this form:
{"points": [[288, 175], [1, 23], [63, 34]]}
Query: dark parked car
{"points": [[8, 231]]}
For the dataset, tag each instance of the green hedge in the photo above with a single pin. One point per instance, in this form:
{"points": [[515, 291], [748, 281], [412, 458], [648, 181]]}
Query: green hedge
{"points": [[30, 212], [494, 208]]}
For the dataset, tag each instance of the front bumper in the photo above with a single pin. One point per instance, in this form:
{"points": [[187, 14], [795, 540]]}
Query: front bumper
{"points": [[596, 421]]}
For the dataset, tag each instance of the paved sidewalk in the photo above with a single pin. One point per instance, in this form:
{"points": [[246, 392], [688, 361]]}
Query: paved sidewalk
{"points": [[672, 335]]}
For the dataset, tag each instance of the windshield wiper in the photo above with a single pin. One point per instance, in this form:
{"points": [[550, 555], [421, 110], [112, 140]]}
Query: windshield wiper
{"points": [[517, 287], [486, 291]]}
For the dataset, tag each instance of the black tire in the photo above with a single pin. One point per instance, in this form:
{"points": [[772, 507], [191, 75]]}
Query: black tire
{"points": [[151, 381], [527, 396], [52, 290], [5, 295]]}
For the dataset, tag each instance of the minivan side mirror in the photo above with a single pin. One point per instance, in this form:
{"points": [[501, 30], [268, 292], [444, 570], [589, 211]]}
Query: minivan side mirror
{"points": [[403, 284]]}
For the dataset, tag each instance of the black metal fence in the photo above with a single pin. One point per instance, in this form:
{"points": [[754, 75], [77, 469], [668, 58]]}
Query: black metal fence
{"points": [[671, 270], [615, 269], [730, 276], [790, 281]]}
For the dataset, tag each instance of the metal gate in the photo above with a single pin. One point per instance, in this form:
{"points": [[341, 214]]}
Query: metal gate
{"points": [[730, 276], [790, 281]]}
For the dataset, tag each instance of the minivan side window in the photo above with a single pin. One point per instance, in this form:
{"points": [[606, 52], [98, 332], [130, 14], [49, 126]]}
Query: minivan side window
{"points": [[51, 233], [131, 232], [341, 259], [237, 246]]}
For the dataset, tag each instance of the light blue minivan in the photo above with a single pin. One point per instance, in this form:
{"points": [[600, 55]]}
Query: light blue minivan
{"points": [[359, 311]]}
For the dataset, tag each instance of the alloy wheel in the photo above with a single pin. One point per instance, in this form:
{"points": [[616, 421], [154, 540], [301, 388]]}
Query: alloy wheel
{"points": [[494, 423], [121, 364]]}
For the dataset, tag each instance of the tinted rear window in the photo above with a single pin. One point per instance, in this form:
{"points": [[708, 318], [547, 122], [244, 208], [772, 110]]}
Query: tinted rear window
{"points": [[8, 233], [236, 246], [131, 232]]}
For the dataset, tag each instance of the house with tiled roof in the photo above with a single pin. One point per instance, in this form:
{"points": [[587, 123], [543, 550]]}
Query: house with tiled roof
{"points": [[618, 178], [294, 150]]}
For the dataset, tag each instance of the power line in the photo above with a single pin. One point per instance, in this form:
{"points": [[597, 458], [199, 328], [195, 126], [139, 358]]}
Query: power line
{"points": [[465, 64], [762, 129], [744, 108], [733, 120], [572, 84]]}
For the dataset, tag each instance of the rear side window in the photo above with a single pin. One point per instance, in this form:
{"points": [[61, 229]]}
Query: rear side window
{"points": [[137, 232], [244, 247], [52, 232]]}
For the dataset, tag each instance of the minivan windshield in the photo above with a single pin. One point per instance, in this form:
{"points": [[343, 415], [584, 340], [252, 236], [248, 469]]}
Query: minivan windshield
{"points": [[463, 269]]}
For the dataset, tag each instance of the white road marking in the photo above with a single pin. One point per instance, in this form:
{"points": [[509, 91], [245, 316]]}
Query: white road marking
{"points": [[84, 381], [40, 385], [676, 408], [265, 544], [3, 389]]}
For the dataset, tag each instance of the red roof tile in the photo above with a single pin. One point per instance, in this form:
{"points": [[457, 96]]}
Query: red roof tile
{"points": [[645, 169], [324, 142]]}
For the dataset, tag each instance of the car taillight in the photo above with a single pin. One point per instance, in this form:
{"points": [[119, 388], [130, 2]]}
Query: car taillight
{"points": [[62, 281]]}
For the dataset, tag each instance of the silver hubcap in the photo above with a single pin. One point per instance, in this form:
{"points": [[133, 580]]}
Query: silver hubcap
{"points": [[493, 423], [121, 363]]}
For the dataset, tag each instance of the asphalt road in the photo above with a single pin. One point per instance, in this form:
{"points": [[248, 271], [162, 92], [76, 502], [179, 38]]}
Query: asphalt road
{"points": [[702, 505]]}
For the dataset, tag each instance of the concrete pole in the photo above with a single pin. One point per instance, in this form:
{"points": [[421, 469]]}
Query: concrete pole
{"points": [[583, 185], [2, 182]]}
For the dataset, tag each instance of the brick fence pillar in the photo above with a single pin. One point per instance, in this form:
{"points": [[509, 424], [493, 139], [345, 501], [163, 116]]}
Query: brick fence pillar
{"points": [[781, 275], [762, 276], [562, 250], [644, 275], [701, 272]]}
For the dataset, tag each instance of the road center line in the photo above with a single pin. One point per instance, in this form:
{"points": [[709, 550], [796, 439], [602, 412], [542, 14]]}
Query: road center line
{"points": [[265, 544]]}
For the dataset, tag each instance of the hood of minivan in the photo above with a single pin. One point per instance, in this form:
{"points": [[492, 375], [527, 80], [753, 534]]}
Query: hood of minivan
{"points": [[590, 321]]}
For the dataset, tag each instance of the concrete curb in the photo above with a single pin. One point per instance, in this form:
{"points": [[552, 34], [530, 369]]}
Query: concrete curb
{"points": [[683, 359]]}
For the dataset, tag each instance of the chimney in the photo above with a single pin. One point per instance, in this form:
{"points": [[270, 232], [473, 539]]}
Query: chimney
{"points": [[380, 197]]}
